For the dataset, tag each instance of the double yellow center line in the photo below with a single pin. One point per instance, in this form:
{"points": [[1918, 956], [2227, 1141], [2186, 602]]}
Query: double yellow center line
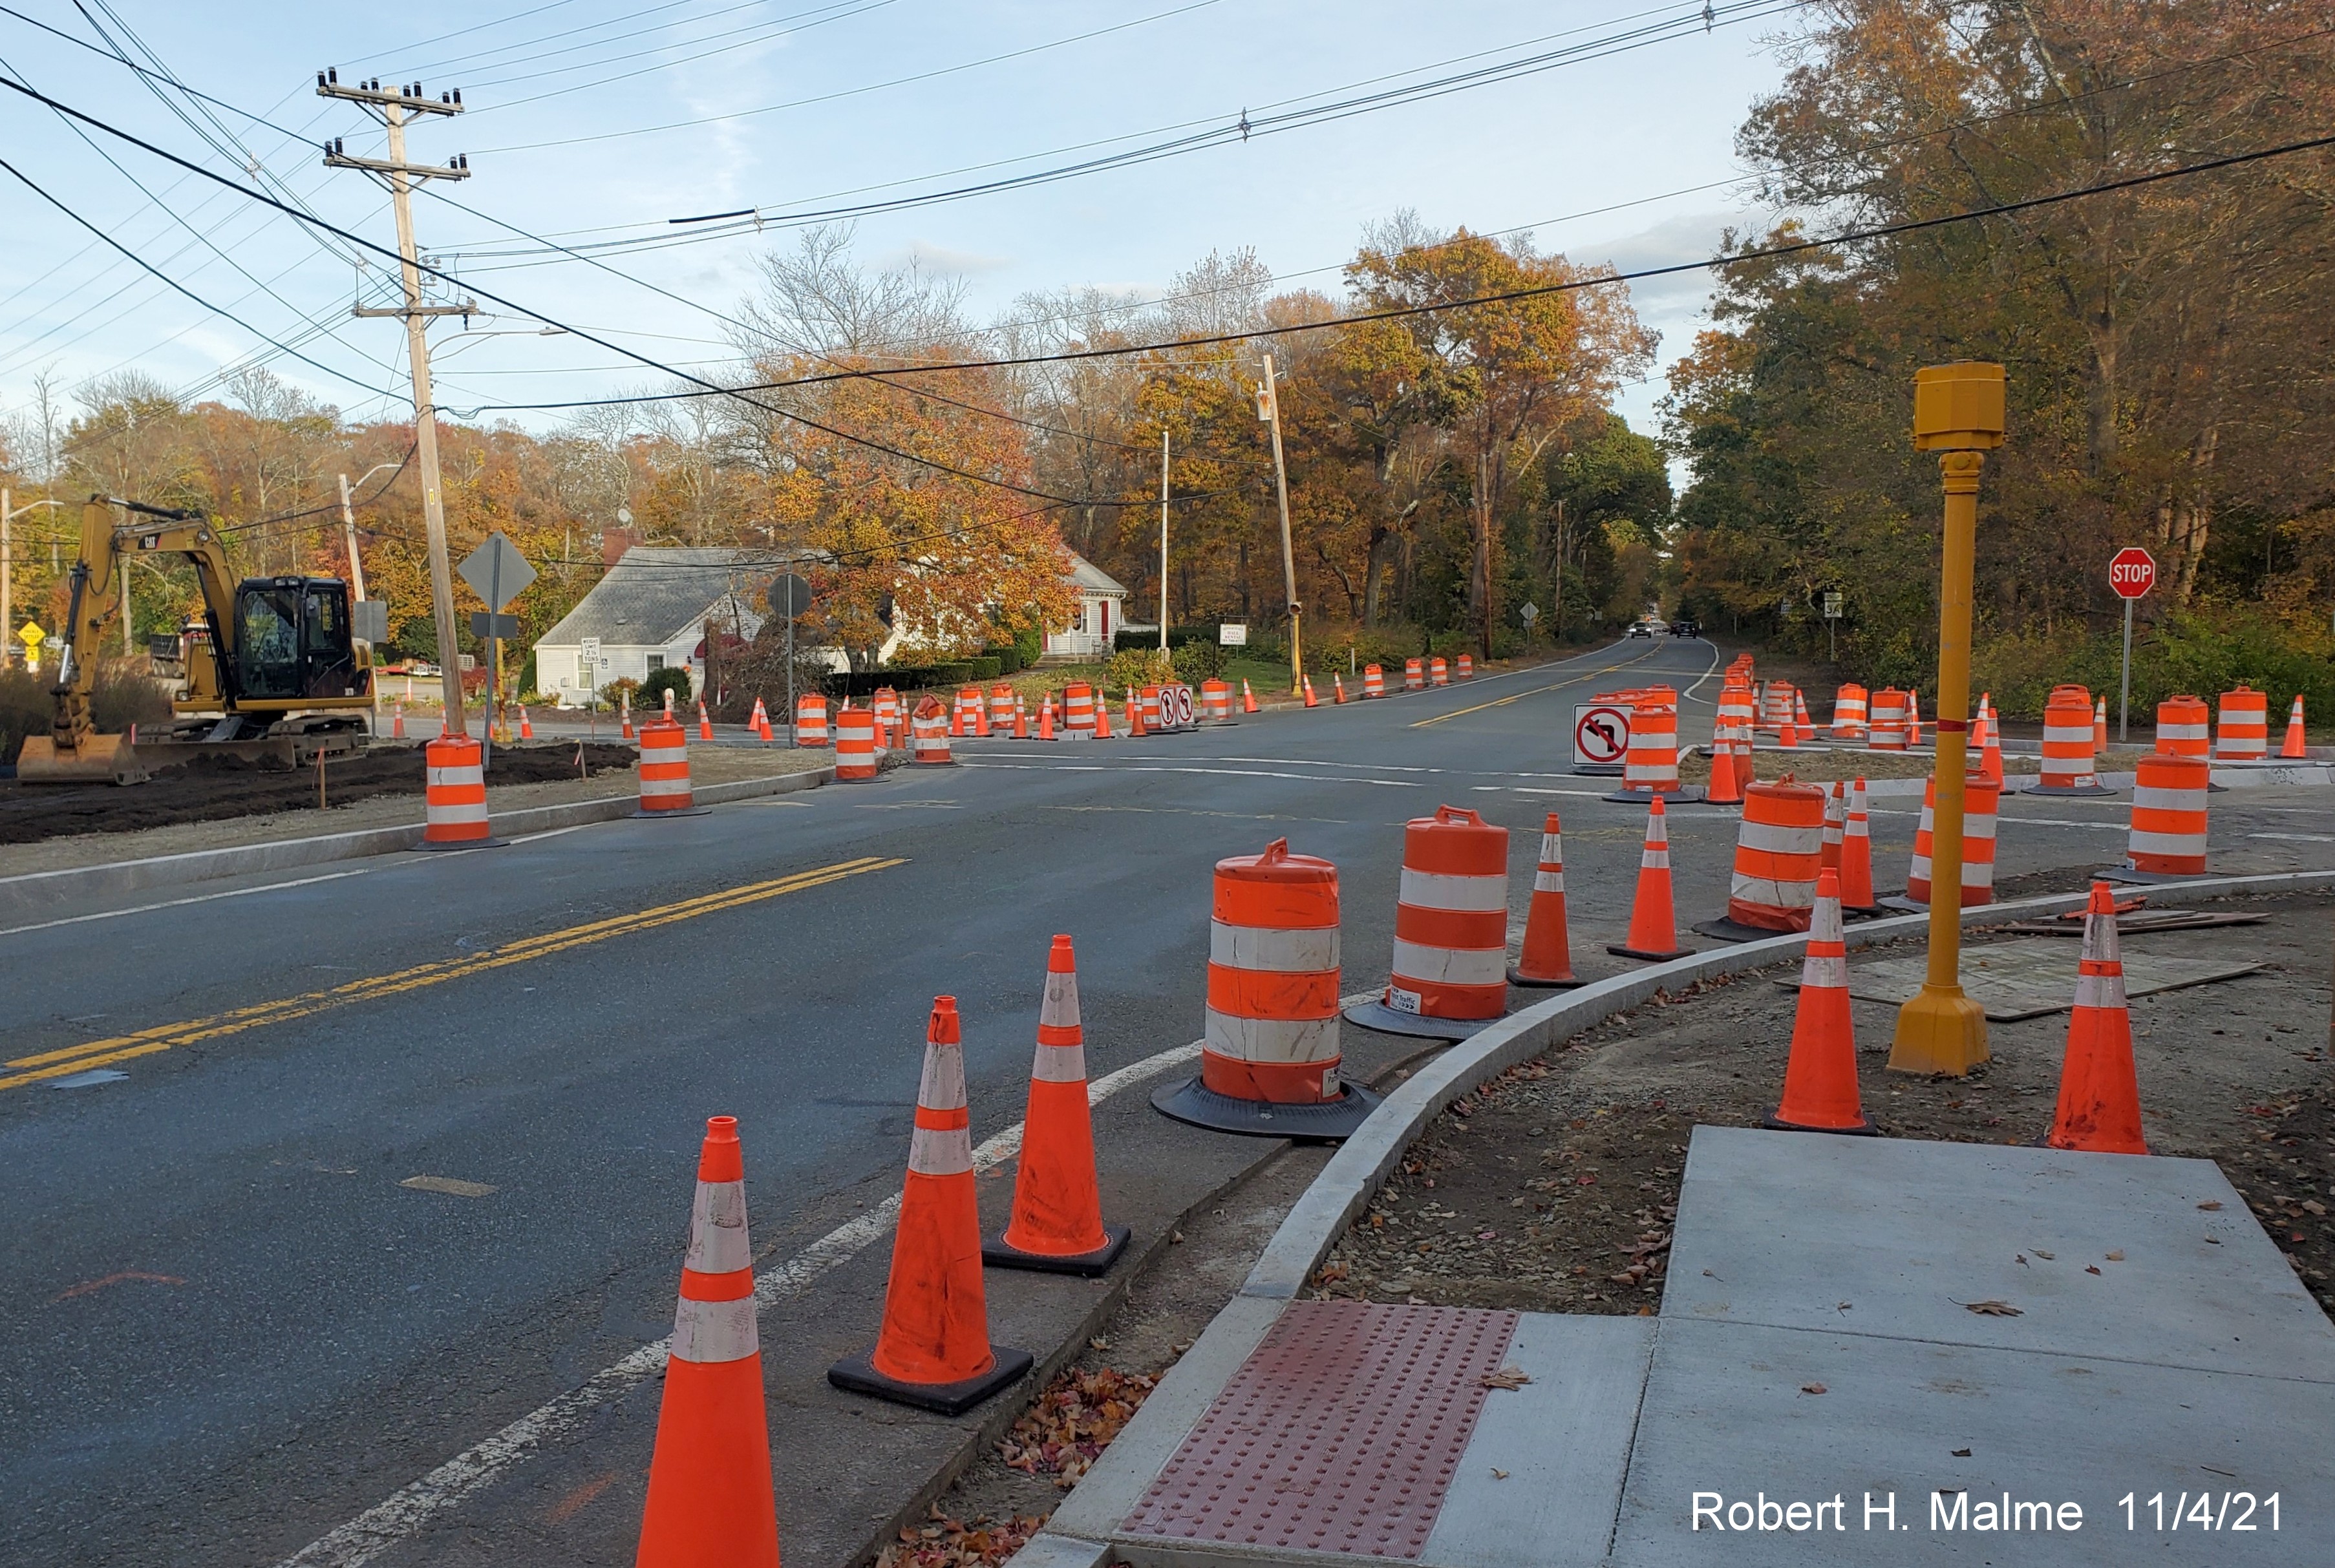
{"points": [[75, 1059], [1535, 692]]}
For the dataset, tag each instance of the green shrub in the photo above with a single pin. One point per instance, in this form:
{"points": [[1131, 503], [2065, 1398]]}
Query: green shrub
{"points": [[1031, 642], [1008, 657], [651, 696], [983, 669], [1197, 662], [1130, 668]]}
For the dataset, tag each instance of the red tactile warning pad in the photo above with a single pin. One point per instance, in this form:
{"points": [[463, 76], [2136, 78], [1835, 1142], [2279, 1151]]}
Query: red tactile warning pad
{"points": [[1339, 1434]]}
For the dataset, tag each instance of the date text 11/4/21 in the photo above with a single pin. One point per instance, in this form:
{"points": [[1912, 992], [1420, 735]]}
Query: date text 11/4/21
{"points": [[2202, 1511]]}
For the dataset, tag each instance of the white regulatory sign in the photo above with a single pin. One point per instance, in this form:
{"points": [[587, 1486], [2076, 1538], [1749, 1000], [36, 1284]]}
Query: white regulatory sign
{"points": [[1600, 738], [1178, 700]]}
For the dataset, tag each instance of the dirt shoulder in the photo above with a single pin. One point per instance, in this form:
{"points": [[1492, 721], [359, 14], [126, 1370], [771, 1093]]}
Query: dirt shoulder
{"points": [[1554, 1187], [280, 809]]}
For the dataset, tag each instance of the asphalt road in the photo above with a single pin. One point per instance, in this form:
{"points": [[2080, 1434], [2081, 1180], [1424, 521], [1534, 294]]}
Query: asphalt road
{"points": [[234, 1326]]}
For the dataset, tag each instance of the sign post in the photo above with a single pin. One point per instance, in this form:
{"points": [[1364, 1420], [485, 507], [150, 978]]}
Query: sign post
{"points": [[2132, 573], [1529, 613], [498, 573], [1832, 602], [788, 597]]}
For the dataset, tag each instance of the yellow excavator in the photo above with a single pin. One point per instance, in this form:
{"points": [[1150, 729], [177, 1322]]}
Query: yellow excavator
{"points": [[273, 671]]}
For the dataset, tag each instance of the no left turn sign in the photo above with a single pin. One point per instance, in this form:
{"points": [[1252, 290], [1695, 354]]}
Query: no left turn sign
{"points": [[1601, 736]]}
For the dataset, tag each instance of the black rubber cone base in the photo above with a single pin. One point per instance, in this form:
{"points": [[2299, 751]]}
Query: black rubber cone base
{"points": [[1194, 1102], [1862, 1129], [995, 1252], [857, 1375], [1517, 977], [1386, 1020], [1678, 795], [1618, 951], [639, 816], [2055, 789], [463, 843], [1863, 911], [1725, 929]]}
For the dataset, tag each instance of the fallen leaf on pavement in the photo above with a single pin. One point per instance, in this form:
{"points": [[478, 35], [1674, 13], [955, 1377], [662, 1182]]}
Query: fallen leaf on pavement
{"points": [[1812, 1388], [1993, 1309], [1962, 1453], [1499, 1475], [2047, 1257], [2091, 1268], [1505, 1378], [2116, 1257], [1065, 1431], [2211, 1204]]}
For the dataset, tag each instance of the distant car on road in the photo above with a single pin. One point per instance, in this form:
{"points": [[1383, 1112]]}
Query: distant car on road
{"points": [[1686, 628], [1640, 629]]}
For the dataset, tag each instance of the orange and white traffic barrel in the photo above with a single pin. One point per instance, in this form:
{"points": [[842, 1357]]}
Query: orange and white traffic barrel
{"points": [[1650, 765], [884, 703], [929, 737], [1151, 709], [1439, 674], [1414, 675], [1373, 681], [665, 770], [1889, 727], [2183, 728], [855, 744], [454, 782], [1450, 930], [2069, 766], [1778, 850], [1215, 701], [1776, 705], [1079, 711], [2169, 819], [2243, 734], [1982, 797], [810, 719], [1848, 714], [1269, 1060], [1466, 667], [1000, 708]]}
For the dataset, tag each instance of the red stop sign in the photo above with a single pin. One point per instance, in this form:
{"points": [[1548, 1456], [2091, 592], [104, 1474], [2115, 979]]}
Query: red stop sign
{"points": [[2132, 573]]}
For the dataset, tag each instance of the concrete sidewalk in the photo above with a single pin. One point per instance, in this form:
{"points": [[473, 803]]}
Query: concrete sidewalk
{"points": [[1871, 1349]]}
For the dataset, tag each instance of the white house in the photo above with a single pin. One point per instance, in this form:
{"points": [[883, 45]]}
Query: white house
{"points": [[1101, 611], [650, 613]]}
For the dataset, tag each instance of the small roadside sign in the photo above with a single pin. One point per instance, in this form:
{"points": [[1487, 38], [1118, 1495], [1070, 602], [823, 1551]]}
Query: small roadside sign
{"points": [[1529, 613], [483, 627], [496, 571], [790, 596], [590, 648], [1232, 635], [369, 619], [2132, 573], [31, 635], [1832, 603], [1600, 738]]}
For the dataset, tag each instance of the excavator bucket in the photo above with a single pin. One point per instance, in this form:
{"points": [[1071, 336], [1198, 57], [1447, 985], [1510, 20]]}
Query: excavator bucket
{"points": [[98, 759]]}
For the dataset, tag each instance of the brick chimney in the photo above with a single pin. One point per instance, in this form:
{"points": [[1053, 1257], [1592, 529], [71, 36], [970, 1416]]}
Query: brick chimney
{"points": [[615, 542]]}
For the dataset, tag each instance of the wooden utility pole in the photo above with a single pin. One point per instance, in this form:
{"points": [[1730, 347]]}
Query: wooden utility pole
{"points": [[1268, 409], [392, 105], [1163, 538]]}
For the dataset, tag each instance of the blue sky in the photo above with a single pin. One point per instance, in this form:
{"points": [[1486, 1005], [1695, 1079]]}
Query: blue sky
{"points": [[789, 102]]}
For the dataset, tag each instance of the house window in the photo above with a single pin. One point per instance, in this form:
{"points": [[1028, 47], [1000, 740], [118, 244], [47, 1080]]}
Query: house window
{"points": [[584, 672], [656, 663], [1079, 617]]}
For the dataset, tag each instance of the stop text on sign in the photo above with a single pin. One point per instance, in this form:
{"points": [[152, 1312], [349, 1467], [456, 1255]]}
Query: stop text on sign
{"points": [[2132, 573]]}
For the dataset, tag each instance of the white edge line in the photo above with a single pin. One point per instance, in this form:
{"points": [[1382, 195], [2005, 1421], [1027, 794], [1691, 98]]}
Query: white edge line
{"points": [[175, 903], [394, 1520], [552, 833]]}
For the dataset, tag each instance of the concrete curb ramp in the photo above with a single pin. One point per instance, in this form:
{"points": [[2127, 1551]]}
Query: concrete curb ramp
{"points": [[1080, 1533], [41, 890]]}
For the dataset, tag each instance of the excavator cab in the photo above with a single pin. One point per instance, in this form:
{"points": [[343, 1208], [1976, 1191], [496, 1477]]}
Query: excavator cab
{"points": [[292, 641]]}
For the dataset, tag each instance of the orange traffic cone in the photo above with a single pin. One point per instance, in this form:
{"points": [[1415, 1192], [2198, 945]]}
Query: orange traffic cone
{"points": [[2100, 1096], [933, 1351], [710, 1504], [1135, 729], [1912, 717], [1989, 752], [668, 705], [1653, 919], [1547, 957], [1836, 828], [704, 724], [1338, 687], [397, 725], [2099, 727], [1787, 733], [627, 700], [1021, 718], [1728, 772], [1057, 1225], [1102, 718], [762, 722], [1046, 718], [525, 730], [1820, 1079], [2292, 750], [1856, 855], [1800, 719], [1248, 697], [1307, 684]]}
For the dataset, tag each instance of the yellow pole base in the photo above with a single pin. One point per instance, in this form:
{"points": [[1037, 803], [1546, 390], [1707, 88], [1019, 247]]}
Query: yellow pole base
{"points": [[1939, 1030]]}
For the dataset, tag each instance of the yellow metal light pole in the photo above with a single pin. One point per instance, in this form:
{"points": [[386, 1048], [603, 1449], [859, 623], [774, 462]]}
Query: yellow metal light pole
{"points": [[1958, 414]]}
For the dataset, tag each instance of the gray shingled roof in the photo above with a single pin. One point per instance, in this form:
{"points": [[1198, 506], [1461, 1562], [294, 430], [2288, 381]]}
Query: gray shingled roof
{"points": [[654, 592], [1085, 574]]}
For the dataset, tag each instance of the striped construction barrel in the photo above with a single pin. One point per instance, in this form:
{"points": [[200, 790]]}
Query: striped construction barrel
{"points": [[2168, 815], [1466, 667], [1414, 675], [2069, 764], [1778, 850], [855, 744], [1439, 674], [1078, 710], [1980, 798], [664, 767], [929, 735], [1373, 681], [810, 719], [454, 783], [1215, 701], [2243, 734], [1452, 918], [1272, 979], [1848, 715], [1000, 708], [1889, 717], [2183, 728]]}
